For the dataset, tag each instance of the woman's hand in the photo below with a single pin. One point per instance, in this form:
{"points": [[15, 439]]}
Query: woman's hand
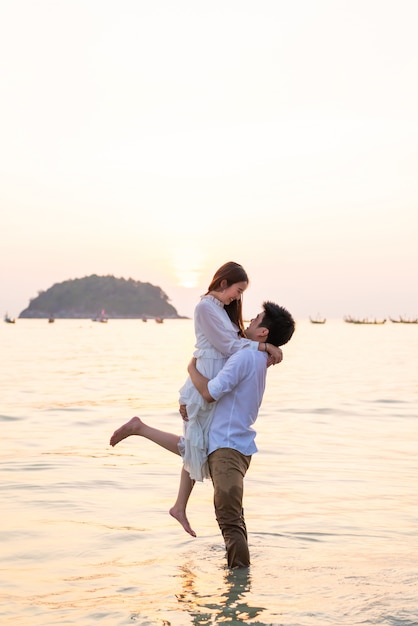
{"points": [[275, 354]]}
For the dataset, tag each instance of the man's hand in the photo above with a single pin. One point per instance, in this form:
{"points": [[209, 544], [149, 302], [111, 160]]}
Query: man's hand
{"points": [[199, 381], [192, 364], [183, 412]]}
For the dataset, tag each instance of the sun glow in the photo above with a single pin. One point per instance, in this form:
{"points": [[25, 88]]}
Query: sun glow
{"points": [[188, 266], [188, 279]]}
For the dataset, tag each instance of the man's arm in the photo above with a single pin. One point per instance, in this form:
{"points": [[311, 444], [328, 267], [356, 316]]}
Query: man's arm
{"points": [[199, 381]]}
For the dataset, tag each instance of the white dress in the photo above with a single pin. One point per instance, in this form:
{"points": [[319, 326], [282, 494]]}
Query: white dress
{"points": [[216, 339]]}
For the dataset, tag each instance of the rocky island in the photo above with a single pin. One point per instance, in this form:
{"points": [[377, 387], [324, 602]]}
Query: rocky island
{"points": [[88, 297]]}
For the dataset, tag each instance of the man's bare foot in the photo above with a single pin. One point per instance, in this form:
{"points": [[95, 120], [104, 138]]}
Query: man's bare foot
{"points": [[181, 517], [133, 427]]}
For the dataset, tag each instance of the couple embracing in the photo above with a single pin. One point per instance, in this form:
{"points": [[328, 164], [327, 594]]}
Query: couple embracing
{"points": [[219, 402]]}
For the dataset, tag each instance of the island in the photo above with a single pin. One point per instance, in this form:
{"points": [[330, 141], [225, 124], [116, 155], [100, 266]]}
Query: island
{"points": [[94, 296]]}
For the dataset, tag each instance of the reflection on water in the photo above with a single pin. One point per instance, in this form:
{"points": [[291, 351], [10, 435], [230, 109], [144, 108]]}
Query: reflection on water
{"points": [[231, 605]]}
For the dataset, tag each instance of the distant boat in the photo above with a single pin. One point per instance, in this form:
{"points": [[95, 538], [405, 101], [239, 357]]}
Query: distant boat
{"points": [[317, 320], [365, 320], [102, 317], [8, 319], [144, 319], [402, 320], [159, 320], [51, 320]]}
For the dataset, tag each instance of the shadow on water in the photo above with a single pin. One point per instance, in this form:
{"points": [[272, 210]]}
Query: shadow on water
{"points": [[229, 606]]}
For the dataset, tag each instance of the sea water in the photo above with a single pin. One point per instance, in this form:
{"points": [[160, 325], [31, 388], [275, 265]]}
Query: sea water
{"points": [[330, 498]]}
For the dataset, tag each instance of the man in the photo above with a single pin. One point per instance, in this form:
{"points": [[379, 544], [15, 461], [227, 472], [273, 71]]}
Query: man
{"points": [[238, 390]]}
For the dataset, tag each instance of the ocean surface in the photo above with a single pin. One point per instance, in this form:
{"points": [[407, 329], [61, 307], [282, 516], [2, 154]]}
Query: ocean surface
{"points": [[331, 497]]}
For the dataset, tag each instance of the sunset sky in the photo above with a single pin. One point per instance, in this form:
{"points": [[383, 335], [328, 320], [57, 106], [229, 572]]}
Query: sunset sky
{"points": [[157, 140]]}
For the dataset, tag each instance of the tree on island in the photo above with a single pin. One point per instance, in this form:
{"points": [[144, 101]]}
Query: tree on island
{"points": [[87, 297]]}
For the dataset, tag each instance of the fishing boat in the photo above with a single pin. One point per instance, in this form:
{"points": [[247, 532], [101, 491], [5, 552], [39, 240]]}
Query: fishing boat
{"points": [[8, 319], [102, 317], [317, 320], [159, 320], [402, 320], [365, 320]]}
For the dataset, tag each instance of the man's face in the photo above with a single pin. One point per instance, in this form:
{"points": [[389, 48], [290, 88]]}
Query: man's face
{"points": [[252, 331]]}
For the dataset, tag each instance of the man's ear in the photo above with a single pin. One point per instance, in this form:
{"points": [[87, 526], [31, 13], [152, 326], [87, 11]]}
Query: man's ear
{"points": [[264, 332]]}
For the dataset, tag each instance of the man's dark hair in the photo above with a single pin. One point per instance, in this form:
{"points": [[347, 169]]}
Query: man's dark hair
{"points": [[279, 323]]}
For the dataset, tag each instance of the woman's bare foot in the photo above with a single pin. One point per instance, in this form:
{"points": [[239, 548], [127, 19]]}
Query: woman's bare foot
{"points": [[181, 517], [133, 427]]}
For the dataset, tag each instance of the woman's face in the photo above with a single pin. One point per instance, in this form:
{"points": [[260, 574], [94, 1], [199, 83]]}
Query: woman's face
{"points": [[233, 292]]}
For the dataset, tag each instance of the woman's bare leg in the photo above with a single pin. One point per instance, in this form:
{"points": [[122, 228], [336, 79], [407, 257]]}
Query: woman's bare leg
{"points": [[135, 426], [169, 442], [178, 510]]}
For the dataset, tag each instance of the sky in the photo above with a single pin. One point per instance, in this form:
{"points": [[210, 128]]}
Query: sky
{"points": [[158, 140]]}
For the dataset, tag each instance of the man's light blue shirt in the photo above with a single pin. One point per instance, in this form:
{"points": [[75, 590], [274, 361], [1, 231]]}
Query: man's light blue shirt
{"points": [[238, 389]]}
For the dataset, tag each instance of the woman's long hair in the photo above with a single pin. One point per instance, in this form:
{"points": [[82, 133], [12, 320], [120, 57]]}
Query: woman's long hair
{"points": [[232, 273]]}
